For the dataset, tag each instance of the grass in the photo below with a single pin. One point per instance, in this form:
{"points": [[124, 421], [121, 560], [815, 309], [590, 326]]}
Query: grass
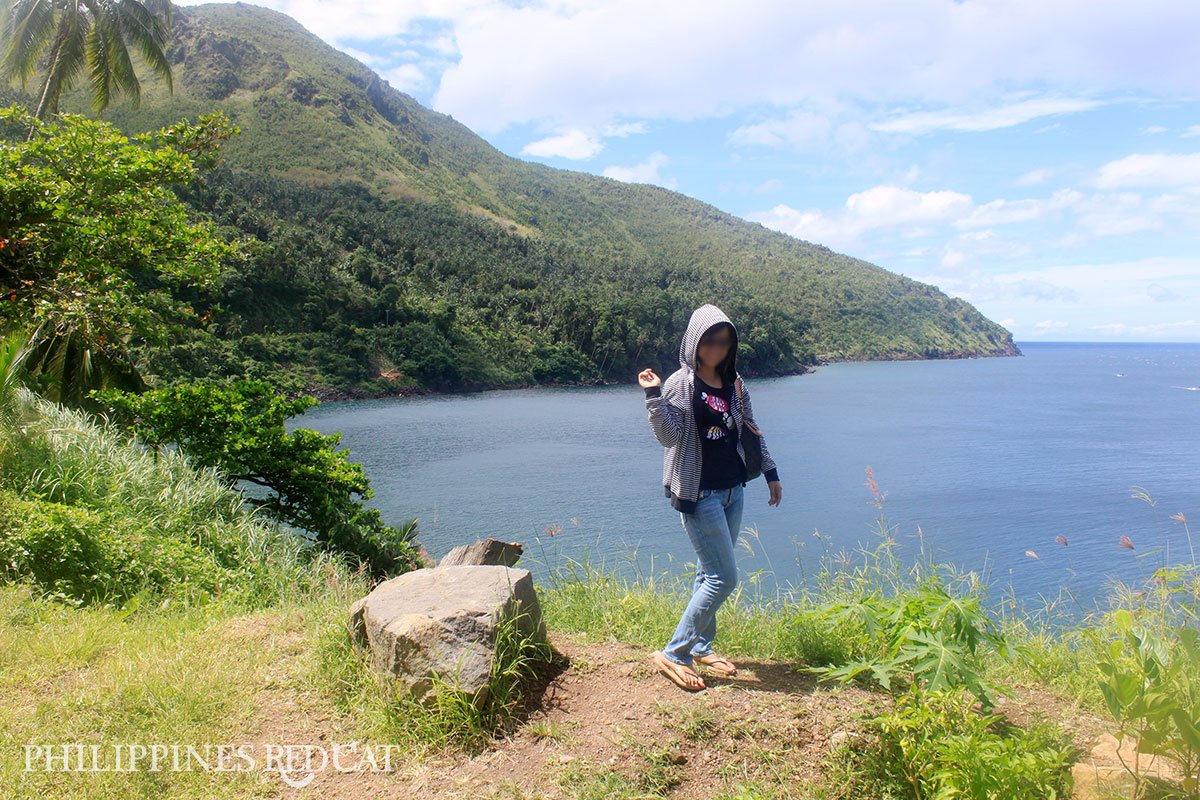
{"points": [[94, 518], [139, 602], [97, 675]]}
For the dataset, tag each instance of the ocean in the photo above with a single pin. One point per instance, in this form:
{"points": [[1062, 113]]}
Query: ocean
{"points": [[1027, 470]]}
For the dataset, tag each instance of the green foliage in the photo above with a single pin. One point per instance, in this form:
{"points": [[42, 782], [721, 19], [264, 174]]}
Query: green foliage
{"points": [[1150, 679], [924, 626], [70, 37], [95, 247], [87, 556], [14, 350], [239, 430], [91, 518], [925, 636], [934, 746]]}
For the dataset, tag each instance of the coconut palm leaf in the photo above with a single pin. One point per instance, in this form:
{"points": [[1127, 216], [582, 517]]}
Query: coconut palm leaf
{"points": [[73, 34]]}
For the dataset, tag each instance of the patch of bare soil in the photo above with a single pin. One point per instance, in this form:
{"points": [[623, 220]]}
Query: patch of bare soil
{"points": [[602, 709]]}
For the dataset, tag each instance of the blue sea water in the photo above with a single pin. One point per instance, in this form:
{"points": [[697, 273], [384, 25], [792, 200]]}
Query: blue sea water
{"points": [[982, 461]]}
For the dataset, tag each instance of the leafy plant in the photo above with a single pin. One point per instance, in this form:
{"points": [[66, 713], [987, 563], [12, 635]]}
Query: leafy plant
{"points": [[925, 636], [238, 428], [1150, 679], [90, 518], [933, 745], [917, 627]]}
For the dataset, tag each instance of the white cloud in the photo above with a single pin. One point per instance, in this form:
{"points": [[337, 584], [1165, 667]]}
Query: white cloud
{"points": [[888, 213], [645, 172], [624, 129], [1001, 211], [983, 119], [580, 144], [877, 207], [896, 205], [570, 64], [1150, 169], [969, 248], [406, 77], [1161, 294], [1144, 294], [1034, 177], [1155, 329], [1192, 130], [573, 144], [800, 127], [1153, 129]]}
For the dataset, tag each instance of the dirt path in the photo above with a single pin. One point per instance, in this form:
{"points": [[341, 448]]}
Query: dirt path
{"points": [[605, 716], [605, 721]]}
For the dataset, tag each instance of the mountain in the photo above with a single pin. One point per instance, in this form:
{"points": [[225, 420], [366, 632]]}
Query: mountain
{"points": [[401, 250]]}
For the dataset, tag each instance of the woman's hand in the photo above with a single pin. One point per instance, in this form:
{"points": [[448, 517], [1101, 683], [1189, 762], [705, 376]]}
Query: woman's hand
{"points": [[647, 378], [776, 492]]}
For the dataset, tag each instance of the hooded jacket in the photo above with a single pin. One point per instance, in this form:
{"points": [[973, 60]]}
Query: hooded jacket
{"points": [[672, 415]]}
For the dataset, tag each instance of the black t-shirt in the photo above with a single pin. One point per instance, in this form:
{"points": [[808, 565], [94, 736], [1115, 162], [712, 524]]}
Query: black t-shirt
{"points": [[720, 466]]}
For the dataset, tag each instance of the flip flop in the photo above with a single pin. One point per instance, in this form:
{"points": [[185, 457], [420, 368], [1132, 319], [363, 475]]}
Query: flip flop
{"points": [[712, 659], [665, 665]]}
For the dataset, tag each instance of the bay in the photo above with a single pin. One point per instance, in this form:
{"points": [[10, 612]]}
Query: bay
{"points": [[983, 462]]}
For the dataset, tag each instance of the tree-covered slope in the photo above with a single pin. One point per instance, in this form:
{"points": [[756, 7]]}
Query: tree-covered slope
{"points": [[393, 240]]}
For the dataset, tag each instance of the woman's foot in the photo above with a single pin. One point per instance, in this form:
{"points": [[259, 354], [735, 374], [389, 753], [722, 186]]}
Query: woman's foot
{"points": [[722, 665], [683, 676]]}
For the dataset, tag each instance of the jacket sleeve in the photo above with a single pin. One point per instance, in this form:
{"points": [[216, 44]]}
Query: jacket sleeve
{"points": [[666, 419], [770, 471]]}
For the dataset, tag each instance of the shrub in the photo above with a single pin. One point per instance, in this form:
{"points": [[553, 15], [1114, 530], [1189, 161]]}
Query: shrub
{"points": [[91, 517], [933, 745]]}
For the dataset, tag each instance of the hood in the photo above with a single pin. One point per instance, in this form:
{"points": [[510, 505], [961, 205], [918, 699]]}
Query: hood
{"points": [[702, 319]]}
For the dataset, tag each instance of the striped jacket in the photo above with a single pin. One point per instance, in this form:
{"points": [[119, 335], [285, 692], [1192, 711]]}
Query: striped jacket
{"points": [[672, 418]]}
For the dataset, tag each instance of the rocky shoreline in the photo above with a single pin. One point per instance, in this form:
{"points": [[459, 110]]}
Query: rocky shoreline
{"points": [[328, 394]]}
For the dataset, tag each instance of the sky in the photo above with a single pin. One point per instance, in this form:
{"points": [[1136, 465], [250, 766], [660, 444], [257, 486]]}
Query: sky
{"points": [[1037, 158]]}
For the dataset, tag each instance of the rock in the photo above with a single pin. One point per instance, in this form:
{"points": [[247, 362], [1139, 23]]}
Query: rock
{"points": [[424, 556], [489, 551], [443, 620], [356, 624], [1100, 773]]}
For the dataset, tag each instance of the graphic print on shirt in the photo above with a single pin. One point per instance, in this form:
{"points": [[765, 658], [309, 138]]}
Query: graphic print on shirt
{"points": [[719, 405]]}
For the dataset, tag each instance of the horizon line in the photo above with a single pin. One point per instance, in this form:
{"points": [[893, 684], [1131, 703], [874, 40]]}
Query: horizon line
{"points": [[1102, 341]]}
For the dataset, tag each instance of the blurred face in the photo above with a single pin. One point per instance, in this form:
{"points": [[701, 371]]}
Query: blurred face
{"points": [[714, 346]]}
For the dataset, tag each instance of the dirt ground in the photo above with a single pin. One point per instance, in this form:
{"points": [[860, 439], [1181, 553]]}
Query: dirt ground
{"points": [[605, 714]]}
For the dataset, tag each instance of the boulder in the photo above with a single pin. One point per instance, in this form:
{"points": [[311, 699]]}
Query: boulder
{"points": [[443, 620], [488, 551], [1101, 773]]}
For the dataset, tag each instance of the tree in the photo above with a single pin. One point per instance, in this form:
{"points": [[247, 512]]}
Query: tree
{"points": [[95, 245], [74, 34], [238, 428]]}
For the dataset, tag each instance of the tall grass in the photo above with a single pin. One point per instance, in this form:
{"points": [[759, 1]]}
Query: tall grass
{"points": [[92, 517]]}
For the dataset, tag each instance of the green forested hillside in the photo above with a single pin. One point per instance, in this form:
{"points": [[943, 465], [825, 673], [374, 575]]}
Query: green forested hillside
{"points": [[393, 249]]}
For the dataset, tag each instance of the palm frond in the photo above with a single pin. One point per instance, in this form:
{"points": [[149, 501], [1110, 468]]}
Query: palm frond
{"points": [[147, 26], [27, 28], [15, 348]]}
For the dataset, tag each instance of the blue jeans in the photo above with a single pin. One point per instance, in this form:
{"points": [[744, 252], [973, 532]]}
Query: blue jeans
{"points": [[713, 529]]}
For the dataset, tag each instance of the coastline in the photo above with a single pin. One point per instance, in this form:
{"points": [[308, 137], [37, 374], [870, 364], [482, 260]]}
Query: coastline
{"points": [[331, 395]]}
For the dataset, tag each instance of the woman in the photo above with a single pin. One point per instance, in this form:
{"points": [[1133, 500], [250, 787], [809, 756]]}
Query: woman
{"points": [[696, 415]]}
